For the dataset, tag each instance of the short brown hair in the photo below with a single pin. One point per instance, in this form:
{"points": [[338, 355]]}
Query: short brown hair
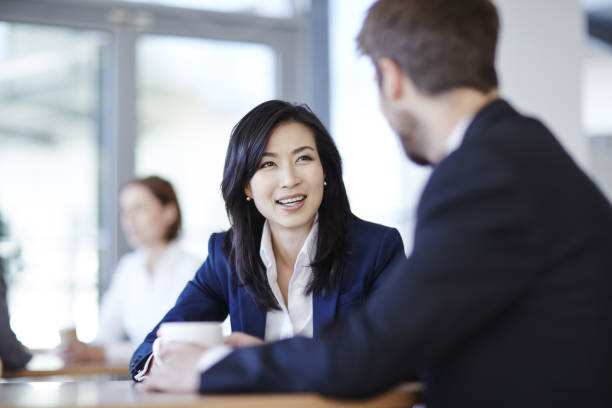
{"points": [[439, 44], [164, 192]]}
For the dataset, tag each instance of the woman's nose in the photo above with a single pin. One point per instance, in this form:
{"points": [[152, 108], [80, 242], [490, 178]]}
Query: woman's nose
{"points": [[289, 177]]}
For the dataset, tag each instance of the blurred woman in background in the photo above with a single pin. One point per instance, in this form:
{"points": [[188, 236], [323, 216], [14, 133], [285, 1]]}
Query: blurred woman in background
{"points": [[147, 281]]}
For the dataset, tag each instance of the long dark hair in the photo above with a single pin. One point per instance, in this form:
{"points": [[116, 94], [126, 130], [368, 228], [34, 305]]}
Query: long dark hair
{"points": [[247, 145]]}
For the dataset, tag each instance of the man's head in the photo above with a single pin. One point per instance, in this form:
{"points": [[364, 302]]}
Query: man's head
{"points": [[437, 46]]}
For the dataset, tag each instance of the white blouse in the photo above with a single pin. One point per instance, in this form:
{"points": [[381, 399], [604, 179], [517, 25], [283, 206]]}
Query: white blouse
{"points": [[137, 300], [295, 319]]}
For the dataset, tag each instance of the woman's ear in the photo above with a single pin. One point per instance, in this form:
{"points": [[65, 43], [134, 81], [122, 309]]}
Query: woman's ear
{"points": [[247, 191], [170, 213]]}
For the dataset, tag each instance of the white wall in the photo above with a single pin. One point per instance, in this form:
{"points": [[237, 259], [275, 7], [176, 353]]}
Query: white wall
{"points": [[539, 62], [597, 89], [597, 110]]}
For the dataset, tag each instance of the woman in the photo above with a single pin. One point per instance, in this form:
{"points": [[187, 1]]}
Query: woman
{"points": [[295, 258], [147, 281]]}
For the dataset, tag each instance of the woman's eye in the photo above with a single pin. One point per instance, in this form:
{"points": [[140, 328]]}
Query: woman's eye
{"points": [[266, 164], [304, 158]]}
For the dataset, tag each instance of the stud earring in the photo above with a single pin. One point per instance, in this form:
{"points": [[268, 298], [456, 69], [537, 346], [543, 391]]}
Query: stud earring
{"points": [[248, 198], [324, 183]]}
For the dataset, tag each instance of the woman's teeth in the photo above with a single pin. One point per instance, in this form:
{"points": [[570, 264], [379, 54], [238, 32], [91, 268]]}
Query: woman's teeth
{"points": [[291, 200]]}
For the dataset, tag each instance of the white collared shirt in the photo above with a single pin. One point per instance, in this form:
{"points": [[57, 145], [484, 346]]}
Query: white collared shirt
{"points": [[295, 318], [136, 299], [455, 138]]}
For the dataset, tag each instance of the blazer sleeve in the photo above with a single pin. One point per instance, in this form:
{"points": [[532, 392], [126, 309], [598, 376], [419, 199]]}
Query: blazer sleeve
{"points": [[203, 299], [472, 257]]}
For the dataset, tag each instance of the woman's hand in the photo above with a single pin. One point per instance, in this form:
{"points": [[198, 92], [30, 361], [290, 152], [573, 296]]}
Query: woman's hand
{"points": [[179, 371], [79, 352], [239, 340]]}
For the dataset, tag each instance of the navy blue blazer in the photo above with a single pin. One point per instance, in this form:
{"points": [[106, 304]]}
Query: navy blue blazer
{"points": [[210, 296], [505, 300]]}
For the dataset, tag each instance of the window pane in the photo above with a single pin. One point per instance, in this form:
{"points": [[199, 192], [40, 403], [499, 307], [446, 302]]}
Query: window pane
{"points": [[191, 92], [50, 104]]}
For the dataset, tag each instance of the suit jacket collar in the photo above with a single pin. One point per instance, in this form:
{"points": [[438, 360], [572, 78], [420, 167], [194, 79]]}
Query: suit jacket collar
{"points": [[489, 113], [253, 319], [324, 307]]}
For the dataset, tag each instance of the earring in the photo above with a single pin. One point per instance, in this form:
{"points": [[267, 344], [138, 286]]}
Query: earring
{"points": [[324, 183], [248, 198]]}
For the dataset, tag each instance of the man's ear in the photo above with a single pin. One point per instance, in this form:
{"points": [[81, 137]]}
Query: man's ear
{"points": [[391, 78]]}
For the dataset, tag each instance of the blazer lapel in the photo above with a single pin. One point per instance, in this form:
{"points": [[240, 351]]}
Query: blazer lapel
{"points": [[252, 318], [324, 308]]}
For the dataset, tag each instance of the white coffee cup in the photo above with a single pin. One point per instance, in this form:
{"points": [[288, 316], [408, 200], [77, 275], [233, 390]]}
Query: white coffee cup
{"points": [[205, 334], [68, 335]]}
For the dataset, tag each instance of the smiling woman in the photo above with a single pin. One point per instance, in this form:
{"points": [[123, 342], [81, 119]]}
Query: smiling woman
{"points": [[295, 258], [288, 178], [285, 150]]}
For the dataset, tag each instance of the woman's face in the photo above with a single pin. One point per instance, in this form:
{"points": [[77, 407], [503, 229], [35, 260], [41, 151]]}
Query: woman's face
{"points": [[287, 188], [143, 217]]}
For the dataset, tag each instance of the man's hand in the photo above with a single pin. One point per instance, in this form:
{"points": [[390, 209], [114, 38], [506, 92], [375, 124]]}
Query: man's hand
{"points": [[178, 371]]}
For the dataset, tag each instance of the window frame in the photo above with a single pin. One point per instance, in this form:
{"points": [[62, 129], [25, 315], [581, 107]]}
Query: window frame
{"points": [[302, 74]]}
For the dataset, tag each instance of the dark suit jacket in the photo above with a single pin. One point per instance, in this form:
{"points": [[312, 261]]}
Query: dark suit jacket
{"points": [[12, 353], [505, 301], [210, 296]]}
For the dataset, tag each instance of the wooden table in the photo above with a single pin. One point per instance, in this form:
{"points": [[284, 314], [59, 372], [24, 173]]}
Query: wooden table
{"points": [[49, 364], [120, 394]]}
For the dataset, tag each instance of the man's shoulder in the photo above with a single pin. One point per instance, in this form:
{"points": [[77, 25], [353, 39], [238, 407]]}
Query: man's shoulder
{"points": [[500, 129]]}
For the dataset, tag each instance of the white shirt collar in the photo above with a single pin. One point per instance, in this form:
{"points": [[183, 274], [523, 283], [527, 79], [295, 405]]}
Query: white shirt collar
{"points": [[306, 254], [457, 134], [167, 257]]}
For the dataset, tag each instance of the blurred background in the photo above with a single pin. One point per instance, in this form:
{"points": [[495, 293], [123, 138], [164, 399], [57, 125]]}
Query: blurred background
{"points": [[95, 92]]}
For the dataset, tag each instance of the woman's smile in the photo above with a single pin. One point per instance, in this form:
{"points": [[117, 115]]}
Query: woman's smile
{"points": [[292, 203]]}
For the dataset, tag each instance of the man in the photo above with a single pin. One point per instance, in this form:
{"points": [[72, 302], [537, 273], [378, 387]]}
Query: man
{"points": [[13, 355], [506, 298]]}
